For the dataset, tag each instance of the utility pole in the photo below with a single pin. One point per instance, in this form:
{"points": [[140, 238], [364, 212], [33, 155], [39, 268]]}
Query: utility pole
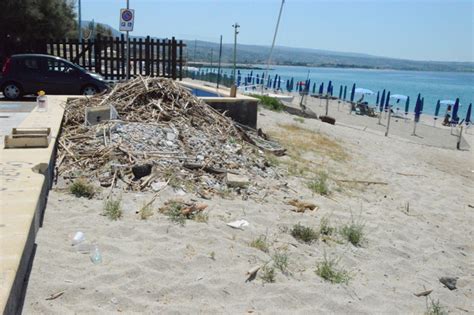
{"points": [[212, 52], [219, 66], [128, 49], [79, 22]]}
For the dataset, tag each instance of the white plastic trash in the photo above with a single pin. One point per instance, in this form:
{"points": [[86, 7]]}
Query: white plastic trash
{"points": [[239, 224], [78, 238]]}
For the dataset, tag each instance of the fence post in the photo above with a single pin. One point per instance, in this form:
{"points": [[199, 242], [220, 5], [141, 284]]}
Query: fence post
{"points": [[147, 55], [97, 52], [180, 60], [173, 58]]}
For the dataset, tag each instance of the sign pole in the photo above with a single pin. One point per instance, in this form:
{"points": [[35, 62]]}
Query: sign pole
{"points": [[128, 49]]}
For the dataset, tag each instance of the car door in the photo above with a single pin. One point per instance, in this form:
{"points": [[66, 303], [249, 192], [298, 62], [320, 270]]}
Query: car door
{"points": [[30, 74], [61, 78]]}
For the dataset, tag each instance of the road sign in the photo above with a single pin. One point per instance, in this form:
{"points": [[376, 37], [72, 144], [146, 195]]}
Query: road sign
{"points": [[127, 17]]}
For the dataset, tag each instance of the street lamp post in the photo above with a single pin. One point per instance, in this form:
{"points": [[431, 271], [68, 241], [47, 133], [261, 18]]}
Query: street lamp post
{"points": [[233, 89]]}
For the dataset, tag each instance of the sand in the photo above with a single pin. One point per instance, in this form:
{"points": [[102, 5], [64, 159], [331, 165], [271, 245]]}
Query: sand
{"points": [[154, 265]]}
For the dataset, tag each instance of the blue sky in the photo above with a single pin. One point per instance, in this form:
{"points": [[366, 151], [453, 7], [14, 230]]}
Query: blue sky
{"points": [[411, 29]]}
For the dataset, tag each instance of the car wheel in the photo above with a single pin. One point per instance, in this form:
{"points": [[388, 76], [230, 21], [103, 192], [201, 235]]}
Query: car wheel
{"points": [[12, 91], [90, 90]]}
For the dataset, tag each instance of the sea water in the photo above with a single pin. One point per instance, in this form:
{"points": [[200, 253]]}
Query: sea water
{"points": [[433, 86]]}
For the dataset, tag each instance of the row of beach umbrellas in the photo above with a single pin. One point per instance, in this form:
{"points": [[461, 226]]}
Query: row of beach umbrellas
{"points": [[382, 99]]}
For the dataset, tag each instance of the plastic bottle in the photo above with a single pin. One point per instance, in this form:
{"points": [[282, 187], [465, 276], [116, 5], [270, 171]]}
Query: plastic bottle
{"points": [[95, 255], [42, 102]]}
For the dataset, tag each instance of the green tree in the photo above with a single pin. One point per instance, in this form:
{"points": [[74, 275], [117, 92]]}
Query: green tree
{"points": [[24, 22]]}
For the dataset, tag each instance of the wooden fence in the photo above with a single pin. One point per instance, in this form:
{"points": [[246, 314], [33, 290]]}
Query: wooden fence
{"points": [[107, 56]]}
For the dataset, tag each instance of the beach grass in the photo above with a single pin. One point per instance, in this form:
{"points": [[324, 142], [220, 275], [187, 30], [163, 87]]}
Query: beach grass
{"points": [[81, 188], [325, 227], [434, 308], [353, 232], [328, 270], [145, 211], [268, 274], [260, 243], [319, 185], [113, 209], [280, 261]]}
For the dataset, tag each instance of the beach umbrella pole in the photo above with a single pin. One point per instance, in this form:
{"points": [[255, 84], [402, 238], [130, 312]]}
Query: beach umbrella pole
{"points": [[414, 129], [388, 122], [380, 118], [327, 104], [458, 145]]}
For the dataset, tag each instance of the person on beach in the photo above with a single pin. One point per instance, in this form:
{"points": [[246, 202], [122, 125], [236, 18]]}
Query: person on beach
{"points": [[447, 116]]}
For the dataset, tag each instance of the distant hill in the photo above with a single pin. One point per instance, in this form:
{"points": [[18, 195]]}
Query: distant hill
{"points": [[282, 55], [254, 54]]}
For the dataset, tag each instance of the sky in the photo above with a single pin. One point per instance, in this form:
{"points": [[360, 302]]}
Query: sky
{"points": [[437, 30]]}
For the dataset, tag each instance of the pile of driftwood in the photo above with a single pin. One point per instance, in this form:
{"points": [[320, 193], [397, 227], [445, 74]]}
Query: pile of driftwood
{"points": [[163, 134]]}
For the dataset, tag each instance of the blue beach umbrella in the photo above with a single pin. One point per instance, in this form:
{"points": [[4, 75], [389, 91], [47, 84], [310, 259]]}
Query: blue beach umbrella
{"points": [[468, 115], [407, 105], [340, 92], [258, 79], [438, 106], [321, 88], [387, 101], [292, 84], [378, 97], [353, 92], [328, 91], [382, 101], [345, 93], [308, 85], [418, 109], [455, 118], [238, 77], [279, 82], [314, 87]]}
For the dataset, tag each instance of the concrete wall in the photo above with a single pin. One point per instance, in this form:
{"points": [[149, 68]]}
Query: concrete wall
{"points": [[25, 179]]}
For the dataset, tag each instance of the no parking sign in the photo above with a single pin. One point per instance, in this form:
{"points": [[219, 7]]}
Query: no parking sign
{"points": [[127, 16]]}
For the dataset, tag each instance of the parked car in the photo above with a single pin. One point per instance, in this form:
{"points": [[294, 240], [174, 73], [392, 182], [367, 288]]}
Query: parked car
{"points": [[29, 73]]}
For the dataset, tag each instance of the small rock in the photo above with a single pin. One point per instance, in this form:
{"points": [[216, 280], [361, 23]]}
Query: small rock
{"points": [[170, 136], [169, 143], [237, 180], [140, 171], [449, 282]]}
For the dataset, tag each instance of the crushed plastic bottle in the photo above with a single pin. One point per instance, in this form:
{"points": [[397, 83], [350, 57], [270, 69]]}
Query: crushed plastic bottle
{"points": [[78, 238], [95, 255]]}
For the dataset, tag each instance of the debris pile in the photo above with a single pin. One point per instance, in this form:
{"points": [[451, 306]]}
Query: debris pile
{"points": [[163, 134]]}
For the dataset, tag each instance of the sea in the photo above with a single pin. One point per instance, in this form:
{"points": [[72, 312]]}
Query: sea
{"points": [[433, 86]]}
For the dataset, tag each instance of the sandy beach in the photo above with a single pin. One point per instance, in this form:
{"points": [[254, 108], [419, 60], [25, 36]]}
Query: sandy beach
{"points": [[417, 220]]}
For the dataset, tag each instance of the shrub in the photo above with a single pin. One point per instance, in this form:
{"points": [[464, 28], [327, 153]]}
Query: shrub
{"points": [[270, 103], [304, 233], [353, 233], [81, 188]]}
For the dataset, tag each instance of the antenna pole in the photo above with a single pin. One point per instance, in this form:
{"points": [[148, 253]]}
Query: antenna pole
{"points": [[273, 42]]}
